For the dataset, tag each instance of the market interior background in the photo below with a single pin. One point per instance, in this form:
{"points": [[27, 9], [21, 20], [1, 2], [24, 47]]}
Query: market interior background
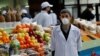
{"points": [[91, 41]]}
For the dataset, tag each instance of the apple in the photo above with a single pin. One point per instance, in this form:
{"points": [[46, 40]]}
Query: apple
{"points": [[41, 44], [38, 33], [23, 25], [31, 32], [27, 25], [33, 26], [18, 26], [33, 38]]}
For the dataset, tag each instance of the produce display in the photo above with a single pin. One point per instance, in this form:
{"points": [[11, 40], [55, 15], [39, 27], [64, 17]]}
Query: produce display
{"points": [[25, 37], [4, 37]]}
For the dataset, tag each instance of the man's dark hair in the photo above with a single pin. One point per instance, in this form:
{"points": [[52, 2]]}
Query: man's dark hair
{"points": [[44, 8], [90, 6]]}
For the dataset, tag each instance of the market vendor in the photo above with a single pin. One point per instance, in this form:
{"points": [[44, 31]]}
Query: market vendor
{"points": [[66, 38], [43, 18]]}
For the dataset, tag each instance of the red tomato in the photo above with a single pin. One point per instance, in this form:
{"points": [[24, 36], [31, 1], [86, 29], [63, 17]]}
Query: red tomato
{"points": [[21, 46], [28, 40], [21, 42], [31, 44], [27, 45], [24, 46]]}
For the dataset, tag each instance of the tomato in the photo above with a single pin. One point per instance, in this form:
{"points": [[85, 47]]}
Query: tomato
{"points": [[27, 45], [21, 42], [24, 46], [31, 44], [28, 40], [21, 46], [20, 38], [27, 37], [23, 25]]}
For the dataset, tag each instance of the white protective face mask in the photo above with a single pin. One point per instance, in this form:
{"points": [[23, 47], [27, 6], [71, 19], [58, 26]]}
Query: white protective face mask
{"points": [[65, 21]]}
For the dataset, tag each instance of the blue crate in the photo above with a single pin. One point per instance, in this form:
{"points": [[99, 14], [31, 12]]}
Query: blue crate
{"points": [[88, 52]]}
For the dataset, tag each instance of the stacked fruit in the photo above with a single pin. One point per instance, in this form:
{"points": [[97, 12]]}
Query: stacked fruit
{"points": [[30, 42], [21, 28], [32, 36], [4, 37], [33, 30]]}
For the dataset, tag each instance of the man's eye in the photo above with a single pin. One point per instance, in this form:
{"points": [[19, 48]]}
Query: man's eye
{"points": [[62, 16], [66, 15]]}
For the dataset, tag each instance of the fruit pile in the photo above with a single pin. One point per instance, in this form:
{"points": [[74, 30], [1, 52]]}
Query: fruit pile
{"points": [[32, 36], [4, 37], [21, 28], [30, 42], [33, 30]]}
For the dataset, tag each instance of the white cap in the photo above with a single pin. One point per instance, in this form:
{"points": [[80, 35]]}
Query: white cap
{"points": [[4, 12], [24, 11], [46, 4]]}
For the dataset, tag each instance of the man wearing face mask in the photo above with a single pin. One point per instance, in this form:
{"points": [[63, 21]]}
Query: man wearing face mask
{"points": [[66, 38]]}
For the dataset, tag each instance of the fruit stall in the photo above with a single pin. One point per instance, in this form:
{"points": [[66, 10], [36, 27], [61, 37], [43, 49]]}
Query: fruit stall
{"points": [[34, 40], [25, 40]]}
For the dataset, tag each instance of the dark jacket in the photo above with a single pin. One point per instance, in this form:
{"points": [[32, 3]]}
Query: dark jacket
{"points": [[87, 15]]}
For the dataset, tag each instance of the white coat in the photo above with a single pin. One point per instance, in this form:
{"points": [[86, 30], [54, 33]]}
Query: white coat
{"points": [[54, 18], [43, 18], [63, 47], [26, 20]]}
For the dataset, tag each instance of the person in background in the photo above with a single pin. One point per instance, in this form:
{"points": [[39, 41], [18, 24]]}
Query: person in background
{"points": [[25, 13], [66, 38], [43, 18], [26, 18], [4, 12], [54, 17], [87, 13]]}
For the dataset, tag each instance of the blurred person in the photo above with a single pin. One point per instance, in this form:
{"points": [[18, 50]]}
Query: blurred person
{"points": [[54, 17], [87, 13], [26, 18], [4, 12], [66, 38], [43, 18], [25, 13]]}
